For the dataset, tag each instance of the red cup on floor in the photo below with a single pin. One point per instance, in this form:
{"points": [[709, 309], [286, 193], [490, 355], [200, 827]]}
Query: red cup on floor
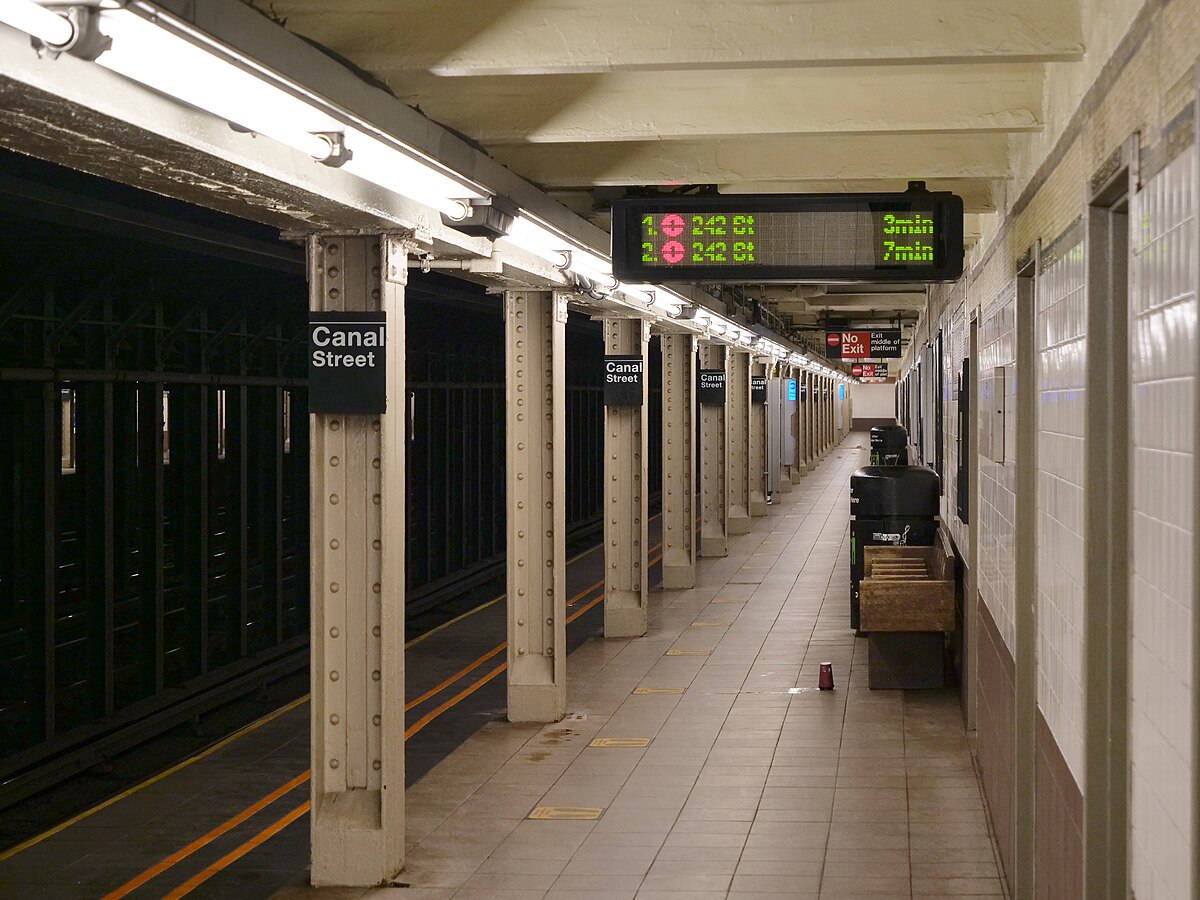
{"points": [[825, 682]]}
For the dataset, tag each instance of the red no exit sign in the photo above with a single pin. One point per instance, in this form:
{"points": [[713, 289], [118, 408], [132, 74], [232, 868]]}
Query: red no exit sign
{"points": [[863, 344]]}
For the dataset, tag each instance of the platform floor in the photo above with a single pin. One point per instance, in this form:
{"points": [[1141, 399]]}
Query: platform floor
{"points": [[700, 761]]}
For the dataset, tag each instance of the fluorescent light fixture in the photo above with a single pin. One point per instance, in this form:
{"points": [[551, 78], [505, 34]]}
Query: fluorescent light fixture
{"points": [[207, 77], [37, 21]]}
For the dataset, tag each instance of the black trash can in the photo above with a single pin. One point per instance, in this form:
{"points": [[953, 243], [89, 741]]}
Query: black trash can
{"points": [[889, 445], [890, 505]]}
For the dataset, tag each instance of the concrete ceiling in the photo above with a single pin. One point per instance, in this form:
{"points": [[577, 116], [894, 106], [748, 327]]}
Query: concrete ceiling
{"points": [[588, 97]]}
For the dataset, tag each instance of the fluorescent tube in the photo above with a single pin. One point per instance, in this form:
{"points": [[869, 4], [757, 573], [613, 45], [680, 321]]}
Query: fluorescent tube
{"points": [[37, 21]]}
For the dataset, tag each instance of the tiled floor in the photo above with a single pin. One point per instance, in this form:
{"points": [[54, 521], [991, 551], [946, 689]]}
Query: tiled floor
{"points": [[749, 782]]}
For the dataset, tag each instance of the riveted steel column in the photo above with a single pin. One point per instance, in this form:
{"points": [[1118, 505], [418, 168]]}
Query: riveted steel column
{"points": [[757, 442], [797, 425], [824, 419], [536, 438], [357, 582], [810, 422], [679, 460], [737, 405], [787, 427], [625, 477], [714, 461]]}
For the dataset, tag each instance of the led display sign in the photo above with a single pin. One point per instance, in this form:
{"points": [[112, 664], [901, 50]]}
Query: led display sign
{"points": [[914, 236]]}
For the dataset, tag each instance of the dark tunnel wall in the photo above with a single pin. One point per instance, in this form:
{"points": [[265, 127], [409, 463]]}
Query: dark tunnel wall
{"points": [[154, 475]]}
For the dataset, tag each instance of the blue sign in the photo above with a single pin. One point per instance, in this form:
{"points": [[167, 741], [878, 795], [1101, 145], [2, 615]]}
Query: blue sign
{"points": [[841, 392], [791, 383]]}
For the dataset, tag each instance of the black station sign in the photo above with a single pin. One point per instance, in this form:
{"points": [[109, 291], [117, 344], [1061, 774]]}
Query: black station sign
{"points": [[347, 363], [623, 380], [711, 389], [758, 388]]}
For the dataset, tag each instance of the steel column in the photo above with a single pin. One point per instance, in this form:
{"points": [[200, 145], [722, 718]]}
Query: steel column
{"points": [[536, 472], [625, 479], [757, 442], [797, 425], [810, 403], [678, 460], [357, 569], [737, 405], [714, 461]]}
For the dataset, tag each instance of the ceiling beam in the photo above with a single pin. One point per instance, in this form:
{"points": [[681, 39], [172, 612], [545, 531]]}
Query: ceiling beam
{"points": [[761, 161], [723, 104], [523, 37], [978, 194]]}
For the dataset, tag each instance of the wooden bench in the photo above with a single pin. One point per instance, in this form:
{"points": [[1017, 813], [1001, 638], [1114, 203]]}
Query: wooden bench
{"points": [[906, 604], [907, 589]]}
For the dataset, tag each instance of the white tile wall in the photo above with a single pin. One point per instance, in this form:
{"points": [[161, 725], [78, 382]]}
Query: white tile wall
{"points": [[997, 482], [955, 338], [1061, 394], [1163, 368]]}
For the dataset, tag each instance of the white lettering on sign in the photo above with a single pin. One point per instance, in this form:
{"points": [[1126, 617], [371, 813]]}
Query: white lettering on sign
{"points": [[324, 336], [327, 359], [712, 380]]}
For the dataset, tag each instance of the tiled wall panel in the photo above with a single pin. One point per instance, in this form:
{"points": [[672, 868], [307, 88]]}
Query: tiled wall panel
{"points": [[1061, 395], [1163, 354], [997, 481]]}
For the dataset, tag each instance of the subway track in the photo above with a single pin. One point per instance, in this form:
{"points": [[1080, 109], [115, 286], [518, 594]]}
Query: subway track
{"points": [[231, 820]]}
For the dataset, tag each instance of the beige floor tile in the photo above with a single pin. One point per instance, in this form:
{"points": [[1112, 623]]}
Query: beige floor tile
{"points": [[957, 887], [691, 883], [865, 887], [709, 866]]}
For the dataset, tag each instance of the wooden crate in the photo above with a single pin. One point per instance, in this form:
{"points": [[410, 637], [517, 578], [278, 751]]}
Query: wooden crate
{"points": [[907, 589]]}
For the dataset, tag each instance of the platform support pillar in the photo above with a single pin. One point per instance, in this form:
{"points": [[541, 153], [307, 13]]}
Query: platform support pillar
{"points": [[357, 508], [757, 441], [536, 482], [823, 414], [714, 460], [625, 505], [810, 420], [797, 425], [738, 408], [679, 460]]}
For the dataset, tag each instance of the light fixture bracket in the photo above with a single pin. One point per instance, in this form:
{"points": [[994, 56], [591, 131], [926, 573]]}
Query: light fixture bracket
{"points": [[339, 153], [86, 41], [491, 218]]}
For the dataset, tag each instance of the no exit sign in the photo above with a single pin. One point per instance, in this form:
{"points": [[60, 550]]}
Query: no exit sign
{"points": [[863, 344]]}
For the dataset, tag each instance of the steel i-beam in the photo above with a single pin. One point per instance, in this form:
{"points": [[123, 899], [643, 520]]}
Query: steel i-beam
{"points": [[625, 479], [738, 408], [536, 438], [356, 467], [678, 460], [756, 458], [797, 425], [714, 461]]}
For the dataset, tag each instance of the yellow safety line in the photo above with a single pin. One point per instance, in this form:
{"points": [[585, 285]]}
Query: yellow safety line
{"points": [[234, 855], [228, 825], [258, 723], [208, 751]]}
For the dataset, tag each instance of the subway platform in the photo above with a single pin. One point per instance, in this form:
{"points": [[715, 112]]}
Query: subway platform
{"points": [[700, 761]]}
